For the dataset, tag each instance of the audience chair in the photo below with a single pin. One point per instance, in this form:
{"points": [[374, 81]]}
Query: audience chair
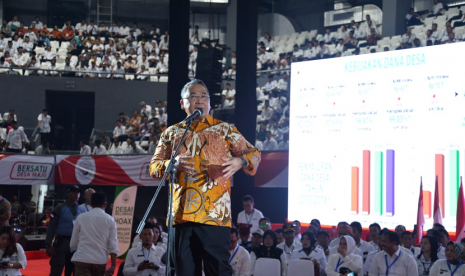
{"points": [[267, 267], [300, 267]]}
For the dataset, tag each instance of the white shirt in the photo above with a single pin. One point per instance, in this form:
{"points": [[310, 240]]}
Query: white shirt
{"points": [[352, 261], [19, 257], [282, 84], [357, 251], [264, 57], [142, 75], [81, 27], [93, 29], [99, 150], [94, 237], [259, 145], [298, 53], [405, 264], [85, 150], [369, 261], [360, 33], [240, 263], [366, 248], [289, 250], [408, 38], [229, 93], [253, 219], [253, 259], [424, 267], [164, 45], [147, 110], [317, 254], [437, 35], [4, 67], [39, 25], [44, 122], [119, 130], [328, 37], [15, 138], [86, 207], [117, 150], [27, 46], [375, 246], [270, 144], [49, 55], [437, 8], [124, 30], [139, 254], [310, 53], [440, 267], [442, 253], [20, 59], [269, 86], [137, 150], [346, 53], [162, 118], [323, 50], [283, 145]]}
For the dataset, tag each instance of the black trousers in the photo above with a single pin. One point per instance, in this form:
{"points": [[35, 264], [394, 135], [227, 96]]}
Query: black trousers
{"points": [[62, 259], [197, 244]]}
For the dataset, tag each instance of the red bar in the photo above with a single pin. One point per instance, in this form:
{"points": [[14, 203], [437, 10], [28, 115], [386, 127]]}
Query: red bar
{"points": [[354, 201], [366, 183], [439, 162], [427, 204]]}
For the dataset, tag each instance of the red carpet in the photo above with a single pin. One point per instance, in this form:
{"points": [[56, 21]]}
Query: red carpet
{"points": [[40, 267]]}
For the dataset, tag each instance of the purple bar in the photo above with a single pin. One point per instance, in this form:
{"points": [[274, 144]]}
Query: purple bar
{"points": [[390, 173]]}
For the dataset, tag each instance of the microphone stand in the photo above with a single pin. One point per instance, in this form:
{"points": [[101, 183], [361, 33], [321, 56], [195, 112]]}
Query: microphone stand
{"points": [[170, 169]]}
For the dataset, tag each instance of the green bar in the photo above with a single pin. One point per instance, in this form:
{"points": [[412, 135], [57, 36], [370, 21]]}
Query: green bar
{"points": [[378, 182], [453, 181]]}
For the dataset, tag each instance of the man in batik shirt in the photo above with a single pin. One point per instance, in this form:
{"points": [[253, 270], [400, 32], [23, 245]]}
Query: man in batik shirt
{"points": [[212, 152]]}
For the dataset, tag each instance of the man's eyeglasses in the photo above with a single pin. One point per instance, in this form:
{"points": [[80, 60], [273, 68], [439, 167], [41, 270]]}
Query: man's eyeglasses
{"points": [[193, 97], [265, 225]]}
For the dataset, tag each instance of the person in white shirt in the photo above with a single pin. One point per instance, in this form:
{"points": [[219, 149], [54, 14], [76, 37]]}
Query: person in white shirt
{"points": [[92, 29], [99, 149], [311, 252], [85, 149], [162, 116], [297, 54], [249, 215], [104, 71], [116, 149], [39, 24], [142, 74], [145, 259], [20, 60], [270, 250], [14, 22], [359, 31], [87, 206], [133, 148], [240, 258], [118, 72], [123, 31], [407, 242], [119, 132], [52, 69], [12, 252], [284, 144], [428, 254], [437, 9], [453, 264], [161, 67], [164, 44], [310, 53], [392, 260], [16, 139], [48, 54], [270, 85], [270, 143], [27, 44], [81, 28], [437, 34], [345, 260], [43, 124], [264, 58], [374, 229], [229, 92], [289, 246], [145, 108], [364, 246], [259, 145], [94, 238], [408, 37], [412, 18], [328, 37], [323, 51]]}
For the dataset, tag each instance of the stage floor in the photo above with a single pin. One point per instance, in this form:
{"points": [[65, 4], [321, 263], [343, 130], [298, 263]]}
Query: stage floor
{"points": [[40, 267]]}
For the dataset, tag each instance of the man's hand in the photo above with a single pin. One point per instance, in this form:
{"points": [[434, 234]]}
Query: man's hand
{"points": [[50, 251], [232, 164], [142, 266], [183, 164]]}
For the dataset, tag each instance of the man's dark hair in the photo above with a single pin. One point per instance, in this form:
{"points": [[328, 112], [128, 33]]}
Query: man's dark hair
{"points": [[247, 198], [375, 225], [278, 231], [434, 233], [439, 225], [393, 237], [234, 231], [44, 110], [98, 199], [264, 218], [322, 232], [405, 233], [357, 226], [98, 142], [443, 231], [13, 122], [342, 223], [435, 24], [121, 113], [147, 225]]}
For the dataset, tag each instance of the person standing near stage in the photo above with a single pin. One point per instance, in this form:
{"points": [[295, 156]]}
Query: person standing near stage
{"points": [[94, 238], [60, 230], [87, 206], [212, 152]]}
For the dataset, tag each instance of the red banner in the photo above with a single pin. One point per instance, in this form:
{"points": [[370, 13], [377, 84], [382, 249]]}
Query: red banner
{"points": [[104, 170]]}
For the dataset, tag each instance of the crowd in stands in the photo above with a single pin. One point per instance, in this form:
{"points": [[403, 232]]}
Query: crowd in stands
{"points": [[86, 50]]}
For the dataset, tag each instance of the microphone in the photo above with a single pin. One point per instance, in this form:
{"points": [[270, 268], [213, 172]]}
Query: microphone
{"points": [[194, 115]]}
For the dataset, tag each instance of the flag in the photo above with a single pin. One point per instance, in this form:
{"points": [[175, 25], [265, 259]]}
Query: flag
{"points": [[437, 212], [460, 225], [420, 215]]}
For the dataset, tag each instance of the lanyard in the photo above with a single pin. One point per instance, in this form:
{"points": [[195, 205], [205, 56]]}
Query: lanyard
{"points": [[251, 216], [393, 262], [290, 251], [426, 270], [339, 263], [148, 254], [234, 254], [85, 203], [455, 270]]}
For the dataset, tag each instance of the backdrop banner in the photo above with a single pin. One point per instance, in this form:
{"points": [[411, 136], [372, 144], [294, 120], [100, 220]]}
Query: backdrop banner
{"points": [[17, 169], [104, 170], [273, 170]]}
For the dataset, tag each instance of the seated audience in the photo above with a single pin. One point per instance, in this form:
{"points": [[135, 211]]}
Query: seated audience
{"points": [[12, 251], [345, 260], [311, 252], [269, 249]]}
